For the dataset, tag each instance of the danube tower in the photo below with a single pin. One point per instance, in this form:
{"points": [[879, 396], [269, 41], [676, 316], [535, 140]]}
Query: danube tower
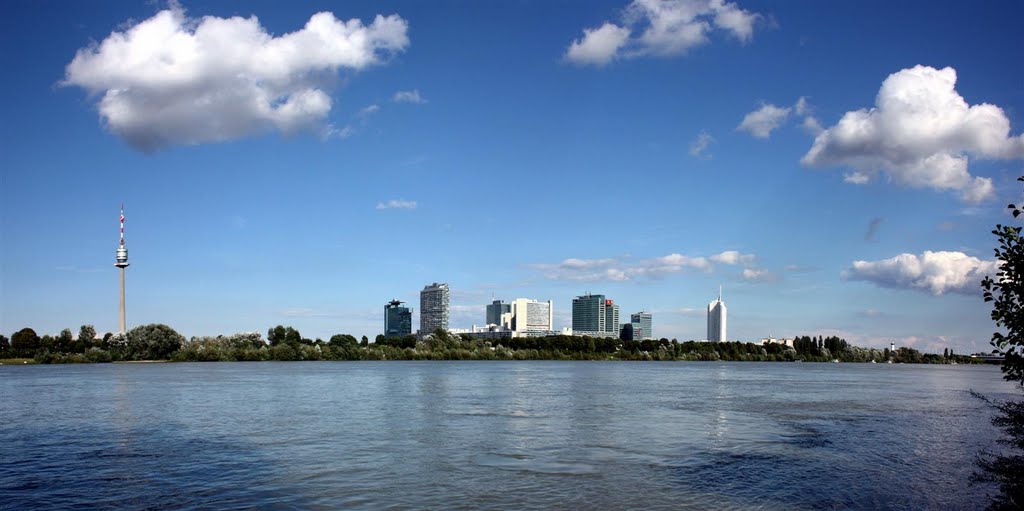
{"points": [[716, 319], [122, 263]]}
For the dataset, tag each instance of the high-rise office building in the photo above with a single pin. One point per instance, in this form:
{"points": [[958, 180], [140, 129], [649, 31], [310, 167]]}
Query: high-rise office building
{"points": [[595, 315], [641, 322], [531, 316], [495, 310], [433, 308], [397, 319], [717, 319]]}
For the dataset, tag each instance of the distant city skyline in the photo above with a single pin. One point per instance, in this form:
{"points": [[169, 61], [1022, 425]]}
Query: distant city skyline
{"points": [[836, 184]]}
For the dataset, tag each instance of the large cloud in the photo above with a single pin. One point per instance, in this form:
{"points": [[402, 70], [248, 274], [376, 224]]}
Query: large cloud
{"points": [[663, 28], [920, 133], [934, 272], [172, 80]]}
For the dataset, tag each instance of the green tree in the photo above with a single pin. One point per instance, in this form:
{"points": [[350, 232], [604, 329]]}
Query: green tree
{"points": [[46, 343], [86, 337], [24, 343], [284, 335], [1006, 292], [153, 342], [342, 340], [62, 344], [5, 346]]}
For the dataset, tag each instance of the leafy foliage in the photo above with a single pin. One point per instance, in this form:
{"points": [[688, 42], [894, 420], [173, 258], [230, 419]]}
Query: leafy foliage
{"points": [[24, 343], [283, 335], [1005, 470], [152, 342], [1006, 292]]}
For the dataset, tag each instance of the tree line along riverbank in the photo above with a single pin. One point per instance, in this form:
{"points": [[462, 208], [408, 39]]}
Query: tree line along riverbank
{"points": [[161, 342]]}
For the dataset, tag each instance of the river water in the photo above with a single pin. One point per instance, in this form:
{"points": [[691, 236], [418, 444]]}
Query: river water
{"points": [[499, 435]]}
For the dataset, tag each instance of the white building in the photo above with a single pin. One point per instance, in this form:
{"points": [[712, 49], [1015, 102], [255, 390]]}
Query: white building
{"points": [[717, 320], [773, 340], [530, 317], [434, 308]]}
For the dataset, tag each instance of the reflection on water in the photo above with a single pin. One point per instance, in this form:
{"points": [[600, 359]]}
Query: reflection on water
{"points": [[468, 435]]}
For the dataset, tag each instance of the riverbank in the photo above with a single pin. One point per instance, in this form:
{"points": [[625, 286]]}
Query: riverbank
{"points": [[629, 351]]}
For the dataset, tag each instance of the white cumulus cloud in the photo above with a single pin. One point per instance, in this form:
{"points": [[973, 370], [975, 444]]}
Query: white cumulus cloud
{"points": [[397, 204], [933, 272], [598, 46], [174, 80], [661, 28], [761, 122], [921, 133]]}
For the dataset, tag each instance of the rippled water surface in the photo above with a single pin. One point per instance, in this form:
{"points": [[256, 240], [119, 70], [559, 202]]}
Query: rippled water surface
{"points": [[468, 435]]}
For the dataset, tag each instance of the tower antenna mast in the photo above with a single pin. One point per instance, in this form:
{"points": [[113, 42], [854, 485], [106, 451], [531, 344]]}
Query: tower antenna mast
{"points": [[122, 263]]}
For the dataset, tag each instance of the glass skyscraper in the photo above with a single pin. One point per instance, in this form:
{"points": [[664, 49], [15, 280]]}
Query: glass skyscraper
{"points": [[495, 310], [641, 322], [397, 319], [595, 314]]}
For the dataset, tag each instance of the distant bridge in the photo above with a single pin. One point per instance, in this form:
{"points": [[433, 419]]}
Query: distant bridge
{"points": [[989, 359]]}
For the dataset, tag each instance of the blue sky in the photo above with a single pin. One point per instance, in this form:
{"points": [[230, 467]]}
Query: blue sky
{"points": [[648, 151]]}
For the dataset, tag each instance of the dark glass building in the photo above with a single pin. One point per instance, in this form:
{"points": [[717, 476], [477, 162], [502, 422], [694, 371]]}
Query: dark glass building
{"points": [[495, 310], [397, 319]]}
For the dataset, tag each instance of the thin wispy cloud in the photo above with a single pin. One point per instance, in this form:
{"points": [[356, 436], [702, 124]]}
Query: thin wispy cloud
{"points": [[408, 96], [331, 131], [621, 269], [699, 146], [397, 204], [368, 111]]}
